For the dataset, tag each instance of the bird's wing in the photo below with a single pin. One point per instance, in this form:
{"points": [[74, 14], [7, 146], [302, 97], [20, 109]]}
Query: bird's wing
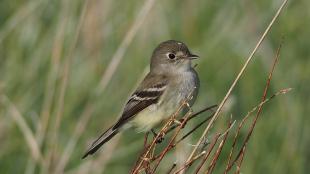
{"points": [[147, 94]]}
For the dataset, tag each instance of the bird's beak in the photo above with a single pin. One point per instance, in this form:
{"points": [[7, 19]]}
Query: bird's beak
{"points": [[192, 56]]}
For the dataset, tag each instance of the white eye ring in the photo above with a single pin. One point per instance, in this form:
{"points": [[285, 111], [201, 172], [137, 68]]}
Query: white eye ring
{"points": [[171, 55]]}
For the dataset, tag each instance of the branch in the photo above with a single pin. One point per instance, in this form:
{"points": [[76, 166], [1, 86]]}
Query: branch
{"points": [[216, 115], [260, 106]]}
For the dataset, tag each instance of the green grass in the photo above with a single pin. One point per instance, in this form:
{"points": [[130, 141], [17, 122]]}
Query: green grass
{"points": [[37, 41]]}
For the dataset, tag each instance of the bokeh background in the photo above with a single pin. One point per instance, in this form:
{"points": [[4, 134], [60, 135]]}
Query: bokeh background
{"points": [[67, 67]]}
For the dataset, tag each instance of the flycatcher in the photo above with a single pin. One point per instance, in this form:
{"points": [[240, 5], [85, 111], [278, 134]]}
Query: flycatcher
{"points": [[171, 80]]}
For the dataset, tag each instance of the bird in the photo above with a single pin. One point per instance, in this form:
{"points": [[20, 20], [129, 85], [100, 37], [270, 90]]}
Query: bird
{"points": [[169, 82]]}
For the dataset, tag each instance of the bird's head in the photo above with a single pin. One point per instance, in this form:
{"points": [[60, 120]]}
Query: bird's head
{"points": [[173, 56]]}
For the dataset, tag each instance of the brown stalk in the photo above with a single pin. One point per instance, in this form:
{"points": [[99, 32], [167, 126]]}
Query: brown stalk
{"points": [[194, 116], [259, 107], [283, 91], [163, 130], [194, 129], [218, 151], [276, 59], [187, 134], [241, 159], [187, 164], [171, 140], [184, 122], [220, 147], [216, 115], [215, 139], [145, 145]]}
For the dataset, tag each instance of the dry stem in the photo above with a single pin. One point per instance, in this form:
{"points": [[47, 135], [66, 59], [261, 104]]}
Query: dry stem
{"points": [[216, 115]]}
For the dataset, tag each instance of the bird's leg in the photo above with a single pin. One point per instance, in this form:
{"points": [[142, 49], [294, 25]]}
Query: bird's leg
{"points": [[180, 121], [160, 138], [145, 139], [154, 133]]}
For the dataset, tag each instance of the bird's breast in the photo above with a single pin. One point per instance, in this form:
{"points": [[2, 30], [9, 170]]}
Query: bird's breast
{"points": [[178, 90]]}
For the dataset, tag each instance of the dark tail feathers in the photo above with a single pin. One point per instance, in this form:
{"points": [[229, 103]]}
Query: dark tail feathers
{"points": [[106, 136]]}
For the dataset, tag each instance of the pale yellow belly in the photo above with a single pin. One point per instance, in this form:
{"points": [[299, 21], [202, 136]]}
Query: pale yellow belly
{"points": [[150, 117]]}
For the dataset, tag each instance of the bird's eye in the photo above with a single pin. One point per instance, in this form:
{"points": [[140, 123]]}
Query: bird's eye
{"points": [[171, 56]]}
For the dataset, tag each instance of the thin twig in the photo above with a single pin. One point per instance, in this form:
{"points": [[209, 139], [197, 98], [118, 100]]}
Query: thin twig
{"points": [[184, 121], [276, 59], [259, 109], [220, 147], [188, 133], [215, 139], [163, 130], [171, 140], [216, 115], [190, 162], [194, 129], [146, 146], [241, 159], [283, 91], [194, 116]]}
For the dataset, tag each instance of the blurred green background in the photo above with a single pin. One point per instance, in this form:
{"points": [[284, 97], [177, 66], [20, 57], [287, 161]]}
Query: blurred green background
{"points": [[56, 94]]}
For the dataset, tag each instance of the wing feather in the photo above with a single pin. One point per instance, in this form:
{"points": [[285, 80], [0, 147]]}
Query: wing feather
{"points": [[143, 97]]}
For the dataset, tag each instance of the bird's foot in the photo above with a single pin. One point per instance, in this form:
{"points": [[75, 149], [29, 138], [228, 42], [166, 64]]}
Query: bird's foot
{"points": [[160, 137]]}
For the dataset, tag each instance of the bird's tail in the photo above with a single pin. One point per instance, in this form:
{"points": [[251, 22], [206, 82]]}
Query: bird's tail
{"points": [[106, 136]]}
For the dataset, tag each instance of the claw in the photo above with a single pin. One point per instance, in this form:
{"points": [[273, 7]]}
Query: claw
{"points": [[159, 139]]}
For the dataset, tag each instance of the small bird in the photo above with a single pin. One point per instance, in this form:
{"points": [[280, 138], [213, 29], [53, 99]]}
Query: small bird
{"points": [[171, 80]]}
